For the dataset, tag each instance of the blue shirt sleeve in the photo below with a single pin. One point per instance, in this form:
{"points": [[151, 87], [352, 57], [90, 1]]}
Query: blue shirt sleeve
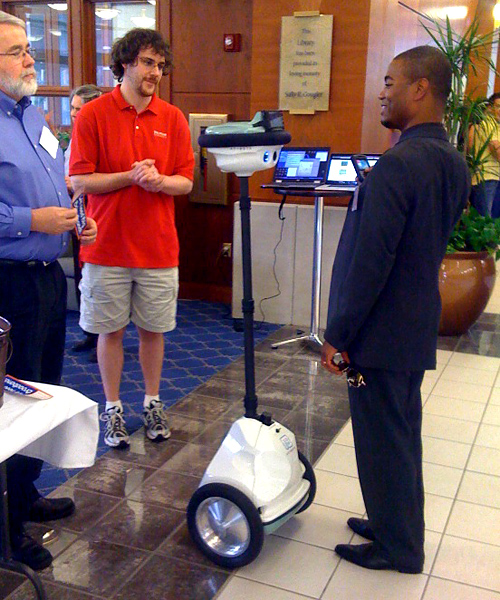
{"points": [[30, 178]]}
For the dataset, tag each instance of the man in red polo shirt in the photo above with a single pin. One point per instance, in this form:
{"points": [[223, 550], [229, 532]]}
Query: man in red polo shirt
{"points": [[131, 153]]}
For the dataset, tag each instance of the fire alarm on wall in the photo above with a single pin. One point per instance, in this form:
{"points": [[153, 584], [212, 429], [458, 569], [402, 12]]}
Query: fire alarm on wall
{"points": [[232, 42]]}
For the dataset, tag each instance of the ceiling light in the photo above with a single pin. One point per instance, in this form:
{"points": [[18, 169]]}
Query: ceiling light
{"points": [[106, 14], [60, 7], [55, 32], [143, 21]]}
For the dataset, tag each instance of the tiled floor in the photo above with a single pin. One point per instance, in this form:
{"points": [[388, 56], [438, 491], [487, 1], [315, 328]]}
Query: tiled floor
{"points": [[128, 539], [203, 344]]}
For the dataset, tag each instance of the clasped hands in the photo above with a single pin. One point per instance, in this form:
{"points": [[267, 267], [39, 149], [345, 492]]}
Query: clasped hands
{"points": [[146, 175]]}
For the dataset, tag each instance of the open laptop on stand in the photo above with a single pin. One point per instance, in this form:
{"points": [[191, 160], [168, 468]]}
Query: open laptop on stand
{"points": [[300, 168], [341, 176]]}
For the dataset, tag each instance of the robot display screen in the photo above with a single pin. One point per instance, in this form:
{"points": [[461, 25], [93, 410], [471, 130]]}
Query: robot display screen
{"points": [[301, 164]]}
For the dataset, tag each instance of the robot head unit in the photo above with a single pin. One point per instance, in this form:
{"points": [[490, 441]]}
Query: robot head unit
{"points": [[243, 147]]}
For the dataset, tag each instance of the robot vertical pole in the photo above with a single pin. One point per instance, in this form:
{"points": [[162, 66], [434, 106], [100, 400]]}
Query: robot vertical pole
{"points": [[247, 304]]}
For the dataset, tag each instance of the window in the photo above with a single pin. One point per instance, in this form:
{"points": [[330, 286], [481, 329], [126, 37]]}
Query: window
{"points": [[56, 108], [47, 31], [113, 20]]}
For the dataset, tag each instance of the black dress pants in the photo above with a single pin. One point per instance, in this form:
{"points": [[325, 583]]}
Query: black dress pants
{"points": [[387, 423], [33, 299]]}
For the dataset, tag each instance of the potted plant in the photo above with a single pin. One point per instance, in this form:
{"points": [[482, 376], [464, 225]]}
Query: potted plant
{"points": [[467, 274]]}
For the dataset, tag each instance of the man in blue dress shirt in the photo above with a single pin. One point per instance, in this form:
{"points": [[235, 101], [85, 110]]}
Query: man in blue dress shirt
{"points": [[35, 221]]}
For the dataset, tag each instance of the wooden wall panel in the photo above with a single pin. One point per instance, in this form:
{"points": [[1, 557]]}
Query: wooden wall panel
{"points": [[163, 18], [207, 79], [202, 229], [340, 126], [479, 84], [381, 50], [197, 34], [394, 29]]}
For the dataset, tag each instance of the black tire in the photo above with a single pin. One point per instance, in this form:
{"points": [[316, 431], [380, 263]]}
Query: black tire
{"points": [[311, 478], [235, 557]]}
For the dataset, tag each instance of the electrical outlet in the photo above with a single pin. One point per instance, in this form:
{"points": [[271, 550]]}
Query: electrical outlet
{"points": [[226, 249]]}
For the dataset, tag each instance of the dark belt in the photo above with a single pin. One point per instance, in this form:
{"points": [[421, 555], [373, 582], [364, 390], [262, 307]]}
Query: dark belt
{"points": [[7, 262]]}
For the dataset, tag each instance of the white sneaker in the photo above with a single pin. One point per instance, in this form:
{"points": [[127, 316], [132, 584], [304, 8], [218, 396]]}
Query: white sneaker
{"points": [[116, 434], [155, 421]]}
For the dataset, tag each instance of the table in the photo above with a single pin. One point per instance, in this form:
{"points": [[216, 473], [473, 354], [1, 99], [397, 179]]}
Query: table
{"points": [[62, 430], [319, 202]]}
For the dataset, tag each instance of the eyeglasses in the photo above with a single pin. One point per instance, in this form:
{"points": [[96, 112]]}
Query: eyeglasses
{"points": [[20, 55], [150, 64]]}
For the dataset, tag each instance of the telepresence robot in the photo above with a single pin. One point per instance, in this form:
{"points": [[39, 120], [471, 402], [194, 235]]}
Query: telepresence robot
{"points": [[258, 479]]}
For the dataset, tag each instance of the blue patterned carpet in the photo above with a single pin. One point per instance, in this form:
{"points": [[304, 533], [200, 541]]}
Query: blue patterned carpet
{"points": [[204, 343]]}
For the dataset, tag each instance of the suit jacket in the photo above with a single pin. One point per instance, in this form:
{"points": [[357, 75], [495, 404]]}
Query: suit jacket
{"points": [[384, 303]]}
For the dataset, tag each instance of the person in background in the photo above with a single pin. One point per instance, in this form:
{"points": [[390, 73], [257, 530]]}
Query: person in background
{"points": [[384, 304], [35, 221], [78, 97], [131, 154], [484, 186]]}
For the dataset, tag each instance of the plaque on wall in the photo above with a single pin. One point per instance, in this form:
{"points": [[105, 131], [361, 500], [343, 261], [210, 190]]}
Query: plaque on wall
{"points": [[305, 63], [210, 184]]}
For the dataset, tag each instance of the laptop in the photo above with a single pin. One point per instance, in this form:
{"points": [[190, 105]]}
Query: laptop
{"points": [[300, 168], [341, 176]]}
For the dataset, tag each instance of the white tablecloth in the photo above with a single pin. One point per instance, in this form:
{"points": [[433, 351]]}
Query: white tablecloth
{"points": [[62, 430]]}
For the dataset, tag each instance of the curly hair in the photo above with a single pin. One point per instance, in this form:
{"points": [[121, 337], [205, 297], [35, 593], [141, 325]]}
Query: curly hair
{"points": [[125, 50]]}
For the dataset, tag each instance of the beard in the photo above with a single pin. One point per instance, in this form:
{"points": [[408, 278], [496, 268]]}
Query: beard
{"points": [[18, 88], [145, 93]]}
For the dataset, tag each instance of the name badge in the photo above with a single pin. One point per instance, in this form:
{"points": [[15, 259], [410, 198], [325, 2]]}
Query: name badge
{"points": [[354, 205], [48, 141]]}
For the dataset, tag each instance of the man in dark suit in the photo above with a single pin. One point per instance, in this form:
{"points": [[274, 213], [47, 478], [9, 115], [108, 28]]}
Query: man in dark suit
{"points": [[384, 304]]}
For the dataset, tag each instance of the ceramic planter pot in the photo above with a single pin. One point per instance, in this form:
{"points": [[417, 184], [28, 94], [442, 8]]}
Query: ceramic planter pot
{"points": [[466, 281]]}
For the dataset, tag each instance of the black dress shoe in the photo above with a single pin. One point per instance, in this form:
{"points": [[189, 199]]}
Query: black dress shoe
{"points": [[89, 342], [361, 527], [51, 509], [370, 556], [29, 552]]}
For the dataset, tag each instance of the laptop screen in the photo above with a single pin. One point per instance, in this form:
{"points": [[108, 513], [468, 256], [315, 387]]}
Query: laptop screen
{"points": [[301, 164], [341, 170]]}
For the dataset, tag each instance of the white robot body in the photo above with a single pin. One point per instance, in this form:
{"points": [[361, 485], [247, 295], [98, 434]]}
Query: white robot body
{"points": [[245, 160], [262, 462]]}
